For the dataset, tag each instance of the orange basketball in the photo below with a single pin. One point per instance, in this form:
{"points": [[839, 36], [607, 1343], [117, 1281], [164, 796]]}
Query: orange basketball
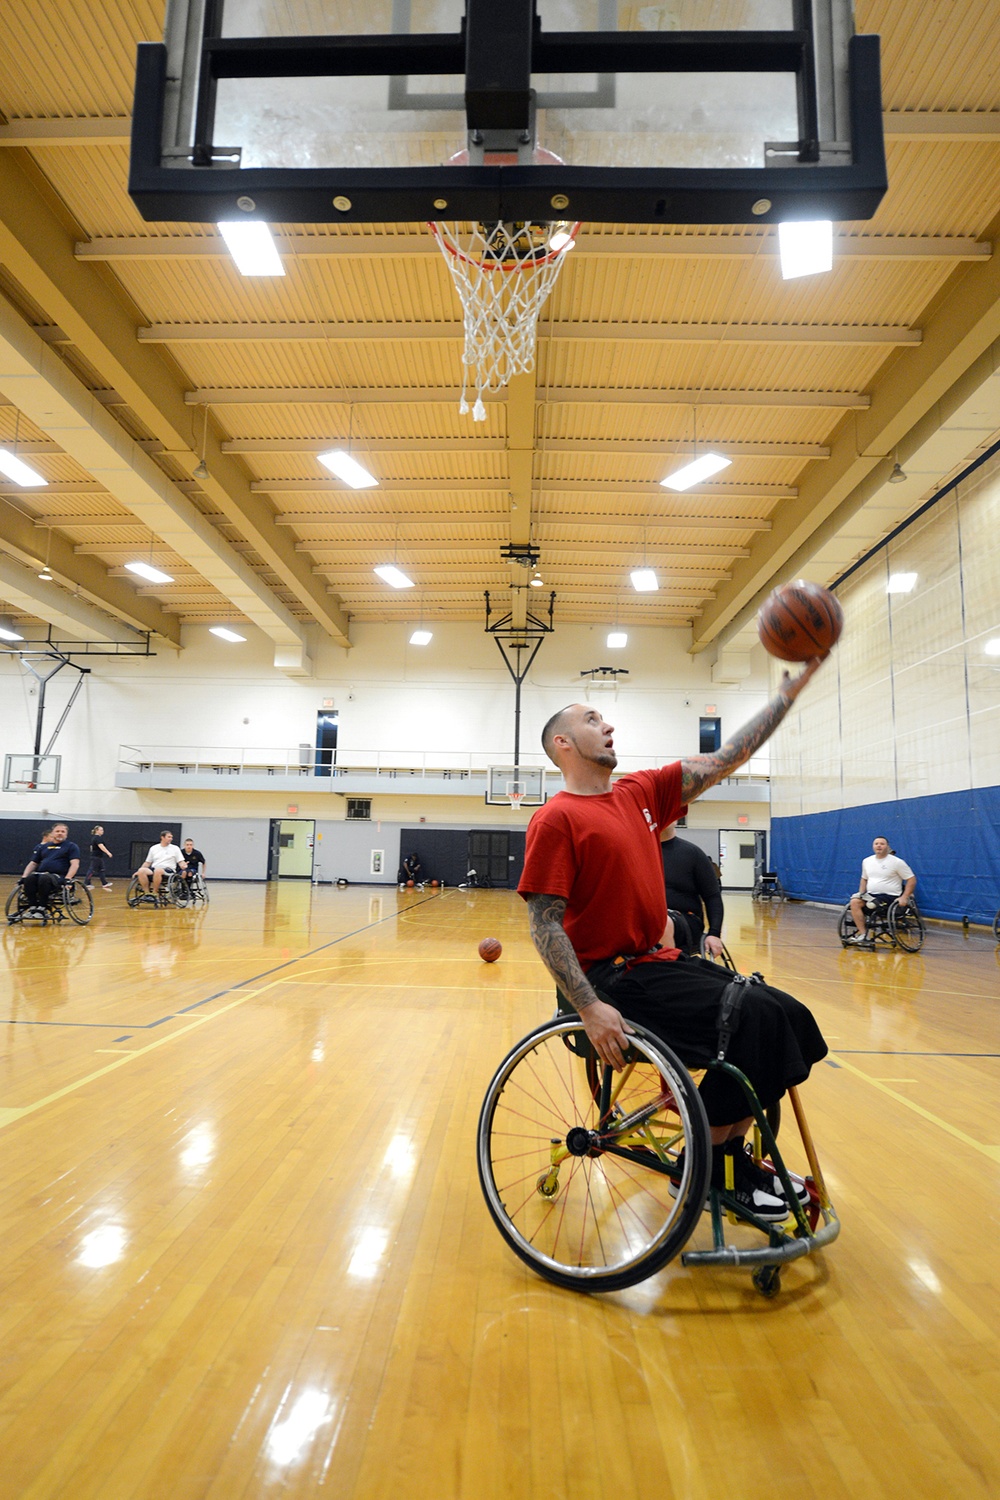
{"points": [[434, 885], [409, 885], [800, 620], [490, 950]]}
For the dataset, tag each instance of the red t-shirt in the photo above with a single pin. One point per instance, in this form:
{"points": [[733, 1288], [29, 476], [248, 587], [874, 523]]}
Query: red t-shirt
{"points": [[602, 853]]}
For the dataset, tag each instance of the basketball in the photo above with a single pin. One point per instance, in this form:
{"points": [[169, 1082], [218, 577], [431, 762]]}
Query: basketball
{"points": [[409, 885], [490, 950], [800, 620], [434, 885]]}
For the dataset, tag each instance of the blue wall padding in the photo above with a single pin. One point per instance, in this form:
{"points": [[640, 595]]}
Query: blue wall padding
{"points": [[951, 842]]}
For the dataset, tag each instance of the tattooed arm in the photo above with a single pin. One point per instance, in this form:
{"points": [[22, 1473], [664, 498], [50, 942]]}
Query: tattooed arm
{"points": [[698, 772], [603, 1024]]}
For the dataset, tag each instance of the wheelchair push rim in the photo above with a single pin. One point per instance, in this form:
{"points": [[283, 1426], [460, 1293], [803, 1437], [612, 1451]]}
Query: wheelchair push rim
{"points": [[576, 1162]]}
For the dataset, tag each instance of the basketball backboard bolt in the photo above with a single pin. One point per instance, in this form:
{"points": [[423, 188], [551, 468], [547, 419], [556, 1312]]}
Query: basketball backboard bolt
{"points": [[440, 203], [246, 204], [561, 201], [762, 206], [341, 203]]}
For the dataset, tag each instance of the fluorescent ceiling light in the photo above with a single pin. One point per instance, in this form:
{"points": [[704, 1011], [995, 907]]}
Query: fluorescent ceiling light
{"points": [[616, 640], [348, 469], [224, 633], [806, 248], [697, 470], [394, 576], [147, 571], [21, 473], [251, 244], [421, 638], [901, 583], [644, 581], [12, 635], [992, 647]]}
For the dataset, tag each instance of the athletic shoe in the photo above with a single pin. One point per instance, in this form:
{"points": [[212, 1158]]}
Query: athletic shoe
{"points": [[754, 1188], [772, 1182], [103, 887], [859, 940]]}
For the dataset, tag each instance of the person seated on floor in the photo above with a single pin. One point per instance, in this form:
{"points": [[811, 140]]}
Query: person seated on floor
{"points": [[413, 870], [54, 860], [885, 878]]}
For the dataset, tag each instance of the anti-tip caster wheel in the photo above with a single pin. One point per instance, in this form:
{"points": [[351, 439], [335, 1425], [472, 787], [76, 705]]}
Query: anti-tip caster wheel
{"points": [[767, 1280]]}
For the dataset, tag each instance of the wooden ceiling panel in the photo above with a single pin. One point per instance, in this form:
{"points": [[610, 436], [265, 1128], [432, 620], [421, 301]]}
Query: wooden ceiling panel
{"points": [[590, 501]]}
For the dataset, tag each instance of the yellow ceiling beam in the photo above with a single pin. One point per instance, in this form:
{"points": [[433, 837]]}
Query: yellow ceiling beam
{"points": [[964, 323], [37, 252], [74, 575]]}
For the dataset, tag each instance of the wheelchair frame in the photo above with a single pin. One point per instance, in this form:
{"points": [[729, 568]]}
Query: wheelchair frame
{"points": [[767, 887], [643, 1139], [173, 892], [886, 925], [72, 894]]}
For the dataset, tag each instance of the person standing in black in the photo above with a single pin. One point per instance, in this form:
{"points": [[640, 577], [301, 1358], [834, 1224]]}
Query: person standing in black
{"points": [[693, 888], [99, 852]]}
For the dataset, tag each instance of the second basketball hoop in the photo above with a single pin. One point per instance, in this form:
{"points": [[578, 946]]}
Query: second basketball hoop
{"points": [[503, 274]]}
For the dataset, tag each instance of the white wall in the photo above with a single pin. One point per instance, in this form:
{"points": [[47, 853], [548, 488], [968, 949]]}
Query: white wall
{"points": [[453, 695], [909, 704]]}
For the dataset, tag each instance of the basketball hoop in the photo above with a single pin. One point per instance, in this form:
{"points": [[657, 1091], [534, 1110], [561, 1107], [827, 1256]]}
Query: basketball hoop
{"points": [[503, 273], [515, 794]]}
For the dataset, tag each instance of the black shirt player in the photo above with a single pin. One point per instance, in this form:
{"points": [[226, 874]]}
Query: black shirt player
{"points": [[194, 859], [692, 885]]}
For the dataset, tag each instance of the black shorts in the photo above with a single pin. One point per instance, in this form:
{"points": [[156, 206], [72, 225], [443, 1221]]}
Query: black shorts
{"points": [[775, 1044]]}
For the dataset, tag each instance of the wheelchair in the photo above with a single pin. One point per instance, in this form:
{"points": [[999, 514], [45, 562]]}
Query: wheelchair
{"points": [[597, 1179], [996, 926], [173, 892], [72, 900], [767, 887], [685, 941], [197, 890], [893, 925]]}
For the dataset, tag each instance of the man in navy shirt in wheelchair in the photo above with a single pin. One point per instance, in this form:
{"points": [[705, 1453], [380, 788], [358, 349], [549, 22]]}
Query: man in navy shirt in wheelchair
{"points": [[52, 863]]}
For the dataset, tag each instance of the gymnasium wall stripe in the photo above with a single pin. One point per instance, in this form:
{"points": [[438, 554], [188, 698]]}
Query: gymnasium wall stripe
{"points": [[951, 842]]}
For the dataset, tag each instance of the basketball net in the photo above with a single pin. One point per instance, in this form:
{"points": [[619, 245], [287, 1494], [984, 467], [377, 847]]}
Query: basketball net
{"points": [[515, 797], [503, 273]]}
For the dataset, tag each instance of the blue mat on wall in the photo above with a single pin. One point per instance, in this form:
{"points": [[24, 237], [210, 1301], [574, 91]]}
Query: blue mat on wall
{"points": [[951, 842]]}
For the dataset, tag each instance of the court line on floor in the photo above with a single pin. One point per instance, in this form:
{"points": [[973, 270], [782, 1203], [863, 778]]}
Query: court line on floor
{"points": [[9, 1114], [993, 1152]]}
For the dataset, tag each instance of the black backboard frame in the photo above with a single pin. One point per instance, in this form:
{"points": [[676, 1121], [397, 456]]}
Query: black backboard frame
{"points": [[492, 58]]}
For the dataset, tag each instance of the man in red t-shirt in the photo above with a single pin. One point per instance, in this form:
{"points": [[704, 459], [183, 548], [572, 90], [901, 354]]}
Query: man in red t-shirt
{"points": [[593, 881]]}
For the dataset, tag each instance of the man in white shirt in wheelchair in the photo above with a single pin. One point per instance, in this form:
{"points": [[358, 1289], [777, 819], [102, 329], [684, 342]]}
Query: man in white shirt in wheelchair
{"points": [[884, 878]]}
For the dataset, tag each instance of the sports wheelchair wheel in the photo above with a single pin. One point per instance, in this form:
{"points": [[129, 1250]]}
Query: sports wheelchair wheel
{"points": [[906, 927], [996, 926], [847, 928], [175, 890], [15, 904], [78, 903], [577, 1162]]}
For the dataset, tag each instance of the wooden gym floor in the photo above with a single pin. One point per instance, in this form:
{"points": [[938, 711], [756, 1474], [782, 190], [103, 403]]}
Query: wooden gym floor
{"points": [[243, 1250]]}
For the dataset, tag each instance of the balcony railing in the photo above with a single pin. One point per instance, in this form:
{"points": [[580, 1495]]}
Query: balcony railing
{"points": [[236, 762]]}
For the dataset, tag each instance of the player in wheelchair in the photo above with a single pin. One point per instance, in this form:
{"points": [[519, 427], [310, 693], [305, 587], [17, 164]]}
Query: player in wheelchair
{"points": [[643, 1015], [883, 909], [47, 890]]}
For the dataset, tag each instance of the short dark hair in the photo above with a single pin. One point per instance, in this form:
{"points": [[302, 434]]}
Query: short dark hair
{"points": [[167, 833], [552, 728]]}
